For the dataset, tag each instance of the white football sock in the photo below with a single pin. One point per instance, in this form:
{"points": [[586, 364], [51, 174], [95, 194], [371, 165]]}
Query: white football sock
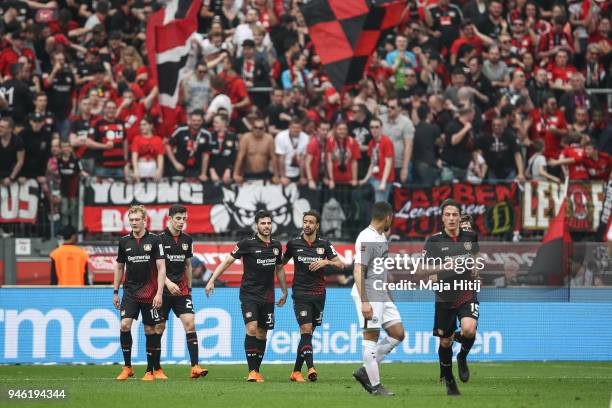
{"points": [[385, 347], [369, 361]]}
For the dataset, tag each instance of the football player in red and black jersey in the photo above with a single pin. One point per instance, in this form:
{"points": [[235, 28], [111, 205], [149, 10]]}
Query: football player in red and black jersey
{"points": [[454, 242], [311, 254], [141, 256], [178, 248], [262, 259]]}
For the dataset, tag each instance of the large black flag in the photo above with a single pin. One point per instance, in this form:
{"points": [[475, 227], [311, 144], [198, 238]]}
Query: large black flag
{"points": [[345, 33]]}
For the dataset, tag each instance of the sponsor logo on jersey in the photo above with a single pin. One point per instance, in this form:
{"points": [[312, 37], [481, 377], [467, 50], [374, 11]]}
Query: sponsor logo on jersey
{"points": [[267, 261]]}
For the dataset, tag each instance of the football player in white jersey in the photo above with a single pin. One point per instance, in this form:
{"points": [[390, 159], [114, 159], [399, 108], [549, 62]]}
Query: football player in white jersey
{"points": [[375, 308]]}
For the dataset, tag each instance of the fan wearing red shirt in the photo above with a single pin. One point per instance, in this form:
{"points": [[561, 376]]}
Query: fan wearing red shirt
{"points": [[10, 55], [549, 125], [104, 89], [522, 39], [376, 70], [572, 156], [468, 36], [341, 155], [131, 111], [380, 173], [315, 155], [560, 73], [598, 164], [147, 153], [235, 88]]}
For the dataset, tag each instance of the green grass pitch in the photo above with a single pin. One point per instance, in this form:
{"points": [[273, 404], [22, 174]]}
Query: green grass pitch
{"points": [[515, 385]]}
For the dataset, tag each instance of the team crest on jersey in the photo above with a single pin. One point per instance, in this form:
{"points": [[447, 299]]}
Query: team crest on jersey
{"points": [[468, 246], [147, 247], [320, 251], [122, 313], [248, 315], [275, 251], [185, 247], [303, 313]]}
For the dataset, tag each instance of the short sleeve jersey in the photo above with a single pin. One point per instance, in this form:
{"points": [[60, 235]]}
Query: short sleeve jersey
{"points": [[178, 250], [307, 283], [139, 256], [442, 245], [260, 259]]}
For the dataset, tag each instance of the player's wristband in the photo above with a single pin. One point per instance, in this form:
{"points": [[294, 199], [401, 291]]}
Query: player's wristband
{"points": [[116, 291]]}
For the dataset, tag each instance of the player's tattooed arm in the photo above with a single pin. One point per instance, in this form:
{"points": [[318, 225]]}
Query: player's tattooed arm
{"points": [[282, 281], [210, 286]]}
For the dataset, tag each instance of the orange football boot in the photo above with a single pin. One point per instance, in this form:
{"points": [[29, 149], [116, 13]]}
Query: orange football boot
{"points": [[312, 374], [159, 375], [126, 372], [297, 376], [197, 371], [148, 376], [252, 376]]}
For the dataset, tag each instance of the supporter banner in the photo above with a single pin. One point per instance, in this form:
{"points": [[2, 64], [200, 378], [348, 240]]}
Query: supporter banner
{"points": [[417, 210], [541, 202], [75, 325], [19, 202], [105, 204], [211, 209]]}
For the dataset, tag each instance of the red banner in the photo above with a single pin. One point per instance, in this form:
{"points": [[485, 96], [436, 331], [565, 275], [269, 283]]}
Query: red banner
{"points": [[105, 205], [417, 210], [19, 202], [115, 218]]}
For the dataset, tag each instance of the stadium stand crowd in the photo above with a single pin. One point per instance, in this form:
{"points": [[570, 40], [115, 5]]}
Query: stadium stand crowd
{"points": [[476, 91]]}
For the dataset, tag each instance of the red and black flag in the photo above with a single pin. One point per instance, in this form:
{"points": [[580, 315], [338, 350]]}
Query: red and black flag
{"points": [[552, 259], [346, 32], [169, 31]]}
